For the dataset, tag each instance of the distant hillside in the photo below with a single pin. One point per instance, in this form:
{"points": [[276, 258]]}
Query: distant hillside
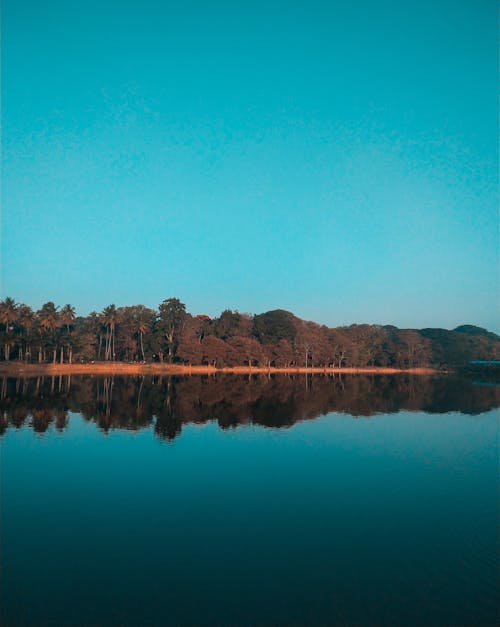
{"points": [[464, 344], [470, 329]]}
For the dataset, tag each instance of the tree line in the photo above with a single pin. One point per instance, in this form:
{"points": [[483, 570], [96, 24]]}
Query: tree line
{"points": [[275, 338]]}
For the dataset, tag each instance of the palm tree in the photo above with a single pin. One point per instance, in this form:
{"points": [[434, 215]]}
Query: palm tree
{"points": [[67, 317], [172, 315], [26, 320], [48, 318], [8, 315], [110, 317], [144, 317], [143, 327], [94, 327]]}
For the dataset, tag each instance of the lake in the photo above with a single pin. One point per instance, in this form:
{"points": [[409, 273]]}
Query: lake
{"points": [[266, 501]]}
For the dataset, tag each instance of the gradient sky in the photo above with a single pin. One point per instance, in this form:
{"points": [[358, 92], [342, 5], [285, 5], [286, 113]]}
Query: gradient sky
{"points": [[338, 159]]}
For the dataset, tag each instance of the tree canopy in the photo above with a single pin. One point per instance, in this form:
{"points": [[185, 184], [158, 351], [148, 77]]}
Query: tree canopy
{"points": [[273, 338]]}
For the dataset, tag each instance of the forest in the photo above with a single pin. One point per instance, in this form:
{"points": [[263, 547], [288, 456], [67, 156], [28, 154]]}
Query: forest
{"points": [[275, 338]]}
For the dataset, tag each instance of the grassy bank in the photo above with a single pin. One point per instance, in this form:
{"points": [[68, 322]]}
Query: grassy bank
{"points": [[119, 368]]}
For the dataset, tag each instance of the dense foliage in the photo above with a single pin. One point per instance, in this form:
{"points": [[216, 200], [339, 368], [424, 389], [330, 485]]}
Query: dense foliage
{"points": [[275, 338]]}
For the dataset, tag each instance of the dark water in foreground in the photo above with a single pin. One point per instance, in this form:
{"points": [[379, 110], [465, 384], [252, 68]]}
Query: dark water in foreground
{"points": [[282, 501]]}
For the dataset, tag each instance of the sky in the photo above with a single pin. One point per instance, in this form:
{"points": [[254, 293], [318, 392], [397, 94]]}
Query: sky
{"points": [[336, 159]]}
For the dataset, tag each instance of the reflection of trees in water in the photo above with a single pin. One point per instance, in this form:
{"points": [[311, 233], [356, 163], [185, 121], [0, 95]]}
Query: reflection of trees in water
{"points": [[273, 401]]}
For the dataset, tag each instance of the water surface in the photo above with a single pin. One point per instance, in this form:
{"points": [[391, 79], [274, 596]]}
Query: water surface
{"points": [[319, 501]]}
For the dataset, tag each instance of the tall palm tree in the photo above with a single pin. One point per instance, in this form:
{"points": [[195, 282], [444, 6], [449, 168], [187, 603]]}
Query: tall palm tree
{"points": [[110, 317], [143, 323], [67, 316], [26, 320], [94, 327], [48, 317], [172, 315], [143, 327], [8, 315]]}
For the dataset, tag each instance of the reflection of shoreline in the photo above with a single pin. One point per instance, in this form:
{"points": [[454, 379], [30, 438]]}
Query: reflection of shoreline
{"points": [[170, 402], [118, 368]]}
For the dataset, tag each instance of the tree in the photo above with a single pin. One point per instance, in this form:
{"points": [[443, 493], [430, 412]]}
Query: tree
{"points": [[191, 338], [227, 325], [89, 336], [48, 318], [110, 317], [213, 351], [67, 317], [172, 315], [8, 314], [26, 321], [273, 326], [143, 326], [136, 322], [247, 350]]}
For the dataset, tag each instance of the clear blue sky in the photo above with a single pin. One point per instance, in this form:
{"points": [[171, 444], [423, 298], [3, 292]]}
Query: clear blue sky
{"points": [[338, 159]]}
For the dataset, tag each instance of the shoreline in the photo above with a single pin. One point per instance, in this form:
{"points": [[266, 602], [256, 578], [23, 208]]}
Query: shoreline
{"points": [[118, 368]]}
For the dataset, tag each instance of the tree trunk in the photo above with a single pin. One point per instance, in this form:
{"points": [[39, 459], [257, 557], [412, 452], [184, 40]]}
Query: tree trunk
{"points": [[106, 345], [54, 352], [142, 349], [70, 355], [62, 354], [170, 339]]}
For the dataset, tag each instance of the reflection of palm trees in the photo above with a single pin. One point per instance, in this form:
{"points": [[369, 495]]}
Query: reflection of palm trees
{"points": [[133, 403], [107, 394], [41, 419]]}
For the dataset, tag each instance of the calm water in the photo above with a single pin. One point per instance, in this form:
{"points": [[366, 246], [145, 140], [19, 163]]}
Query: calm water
{"points": [[282, 501]]}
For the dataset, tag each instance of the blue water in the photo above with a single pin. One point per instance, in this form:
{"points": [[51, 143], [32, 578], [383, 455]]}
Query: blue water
{"points": [[388, 520]]}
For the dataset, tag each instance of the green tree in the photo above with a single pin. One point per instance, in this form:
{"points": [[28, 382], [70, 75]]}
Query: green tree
{"points": [[8, 315], [171, 319], [228, 324], [110, 317], [273, 326], [48, 318], [67, 317], [25, 321], [135, 323], [143, 323]]}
